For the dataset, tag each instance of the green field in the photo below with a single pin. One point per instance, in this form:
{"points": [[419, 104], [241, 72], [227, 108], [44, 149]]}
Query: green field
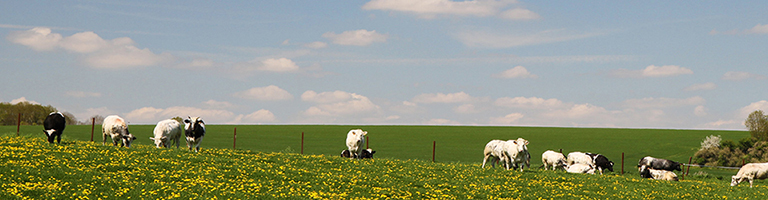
{"points": [[32, 169]]}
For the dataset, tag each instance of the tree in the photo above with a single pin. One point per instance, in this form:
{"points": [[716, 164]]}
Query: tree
{"points": [[757, 124], [70, 118]]}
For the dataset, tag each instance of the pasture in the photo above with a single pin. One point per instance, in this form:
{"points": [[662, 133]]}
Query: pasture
{"points": [[32, 168]]}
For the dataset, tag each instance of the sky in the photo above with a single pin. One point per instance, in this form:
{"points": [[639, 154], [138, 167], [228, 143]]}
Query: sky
{"points": [[626, 64]]}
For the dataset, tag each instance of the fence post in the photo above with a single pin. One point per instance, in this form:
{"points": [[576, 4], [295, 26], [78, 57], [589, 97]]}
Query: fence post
{"points": [[93, 124], [689, 165], [18, 125], [302, 142], [234, 139], [366, 142], [433, 151], [622, 163]]}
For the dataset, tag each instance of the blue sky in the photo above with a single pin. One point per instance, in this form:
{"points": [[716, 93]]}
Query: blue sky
{"points": [[649, 64]]}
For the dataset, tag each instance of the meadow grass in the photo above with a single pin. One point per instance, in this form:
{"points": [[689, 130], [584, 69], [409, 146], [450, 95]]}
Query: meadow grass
{"points": [[30, 168]]}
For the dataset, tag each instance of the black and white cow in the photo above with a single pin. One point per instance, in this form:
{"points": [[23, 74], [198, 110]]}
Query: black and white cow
{"points": [[194, 130], [53, 126], [601, 162], [367, 153], [658, 163]]}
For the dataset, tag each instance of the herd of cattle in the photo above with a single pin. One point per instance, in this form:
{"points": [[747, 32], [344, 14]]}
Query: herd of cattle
{"points": [[511, 154]]}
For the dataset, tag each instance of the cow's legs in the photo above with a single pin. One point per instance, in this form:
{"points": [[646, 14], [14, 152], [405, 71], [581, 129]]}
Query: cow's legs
{"points": [[58, 138]]}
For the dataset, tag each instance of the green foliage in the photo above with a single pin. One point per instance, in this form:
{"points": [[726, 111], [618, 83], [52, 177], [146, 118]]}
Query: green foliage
{"points": [[746, 150], [31, 114], [757, 124]]}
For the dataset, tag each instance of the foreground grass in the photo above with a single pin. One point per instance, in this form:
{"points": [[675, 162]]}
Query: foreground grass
{"points": [[30, 168]]}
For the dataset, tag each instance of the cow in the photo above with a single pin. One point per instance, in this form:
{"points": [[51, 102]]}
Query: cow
{"points": [[750, 172], [554, 159], [580, 158], [165, 132], [355, 141], [494, 151], [580, 168], [657, 174], [517, 153], [601, 162], [194, 130], [657, 163], [53, 126], [346, 154], [116, 128], [367, 153]]}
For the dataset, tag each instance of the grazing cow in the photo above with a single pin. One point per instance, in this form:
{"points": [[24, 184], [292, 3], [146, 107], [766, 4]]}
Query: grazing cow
{"points": [[517, 152], [194, 130], [167, 131], [580, 168], [657, 163], [346, 154], [554, 159], [494, 151], [601, 162], [53, 126], [116, 128], [355, 141], [580, 158], [657, 174], [367, 153], [750, 171]]}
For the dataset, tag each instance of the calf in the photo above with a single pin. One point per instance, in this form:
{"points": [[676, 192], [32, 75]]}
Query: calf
{"points": [[116, 128], [750, 171], [355, 141], [580, 168], [53, 126], [167, 131], [194, 130], [601, 162], [494, 151], [554, 159], [367, 153], [657, 163]]}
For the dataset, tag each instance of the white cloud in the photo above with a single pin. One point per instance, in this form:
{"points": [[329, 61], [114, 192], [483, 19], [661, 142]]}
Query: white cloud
{"points": [[508, 119], [338, 103], [757, 29], [532, 102], [652, 71], [700, 111], [23, 99], [429, 9], [663, 102], [268, 93], [278, 65], [746, 110], [701, 86], [485, 39], [119, 53], [441, 122], [516, 72], [360, 37], [519, 14], [724, 124], [466, 109], [218, 104], [316, 45], [260, 116], [151, 115], [82, 94], [38, 38], [739, 76], [458, 97], [90, 112]]}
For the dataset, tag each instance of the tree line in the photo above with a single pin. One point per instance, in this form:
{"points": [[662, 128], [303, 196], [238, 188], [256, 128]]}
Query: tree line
{"points": [[753, 149], [34, 114]]}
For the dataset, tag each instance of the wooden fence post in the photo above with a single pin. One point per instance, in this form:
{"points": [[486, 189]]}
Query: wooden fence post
{"points": [[234, 139], [689, 165], [366, 142], [18, 125], [302, 142], [93, 124], [622, 162], [433, 151]]}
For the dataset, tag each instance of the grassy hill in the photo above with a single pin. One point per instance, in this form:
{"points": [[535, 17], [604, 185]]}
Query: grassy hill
{"points": [[32, 168]]}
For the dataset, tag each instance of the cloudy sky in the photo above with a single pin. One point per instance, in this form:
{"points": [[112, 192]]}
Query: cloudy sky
{"points": [[654, 64]]}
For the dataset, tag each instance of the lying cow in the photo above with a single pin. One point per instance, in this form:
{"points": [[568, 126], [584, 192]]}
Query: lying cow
{"points": [[601, 162], [494, 151], [194, 130], [53, 126], [657, 174], [580, 168], [657, 163], [579, 158], [750, 172], [367, 153], [355, 141], [165, 132], [553, 159], [116, 128], [517, 152]]}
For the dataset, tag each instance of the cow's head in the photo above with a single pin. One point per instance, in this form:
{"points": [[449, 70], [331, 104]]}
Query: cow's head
{"points": [[358, 134], [193, 125], [735, 180], [677, 166], [50, 135], [367, 153], [127, 137], [160, 142], [610, 166]]}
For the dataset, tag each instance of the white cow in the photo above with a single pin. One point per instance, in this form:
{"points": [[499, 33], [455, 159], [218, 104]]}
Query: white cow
{"points": [[750, 171], [116, 128], [580, 168], [580, 158], [167, 131], [517, 152], [355, 141], [554, 159], [194, 130], [495, 151]]}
